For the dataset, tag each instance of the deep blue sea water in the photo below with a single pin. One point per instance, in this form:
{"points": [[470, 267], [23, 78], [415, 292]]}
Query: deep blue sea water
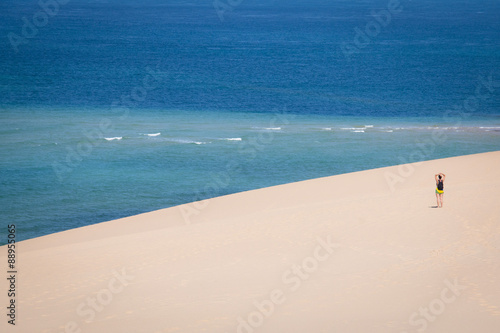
{"points": [[114, 108]]}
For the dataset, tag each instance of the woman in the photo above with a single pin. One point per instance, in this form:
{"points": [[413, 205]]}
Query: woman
{"points": [[439, 188]]}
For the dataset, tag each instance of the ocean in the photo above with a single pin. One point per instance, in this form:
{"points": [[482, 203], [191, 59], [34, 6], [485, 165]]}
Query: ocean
{"points": [[114, 108]]}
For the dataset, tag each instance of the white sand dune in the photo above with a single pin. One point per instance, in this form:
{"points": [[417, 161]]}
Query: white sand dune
{"points": [[361, 252]]}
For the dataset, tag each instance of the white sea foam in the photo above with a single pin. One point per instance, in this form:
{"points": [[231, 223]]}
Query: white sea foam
{"points": [[114, 138], [359, 131], [326, 129], [154, 134], [443, 128], [192, 142], [188, 141], [267, 128], [232, 139]]}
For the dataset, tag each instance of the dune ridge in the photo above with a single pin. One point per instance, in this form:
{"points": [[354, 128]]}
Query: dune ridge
{"points": [[360, 252]]}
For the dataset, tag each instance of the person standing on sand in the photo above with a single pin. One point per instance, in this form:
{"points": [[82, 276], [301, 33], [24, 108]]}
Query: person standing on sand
{"points": [[439, 188]]}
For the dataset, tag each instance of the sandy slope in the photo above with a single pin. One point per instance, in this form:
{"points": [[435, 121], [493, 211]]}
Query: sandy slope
{"points": [[361, 252]]}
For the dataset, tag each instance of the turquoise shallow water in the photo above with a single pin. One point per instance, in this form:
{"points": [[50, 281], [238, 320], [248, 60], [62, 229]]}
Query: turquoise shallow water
{"points": [[61, 170]]}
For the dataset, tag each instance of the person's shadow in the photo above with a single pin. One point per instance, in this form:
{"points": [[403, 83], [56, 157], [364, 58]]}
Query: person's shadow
{"points": [[433, 206]]}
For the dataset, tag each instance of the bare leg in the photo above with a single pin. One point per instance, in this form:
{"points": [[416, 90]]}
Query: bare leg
{"points": [[441, 199], [437, 199]]}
